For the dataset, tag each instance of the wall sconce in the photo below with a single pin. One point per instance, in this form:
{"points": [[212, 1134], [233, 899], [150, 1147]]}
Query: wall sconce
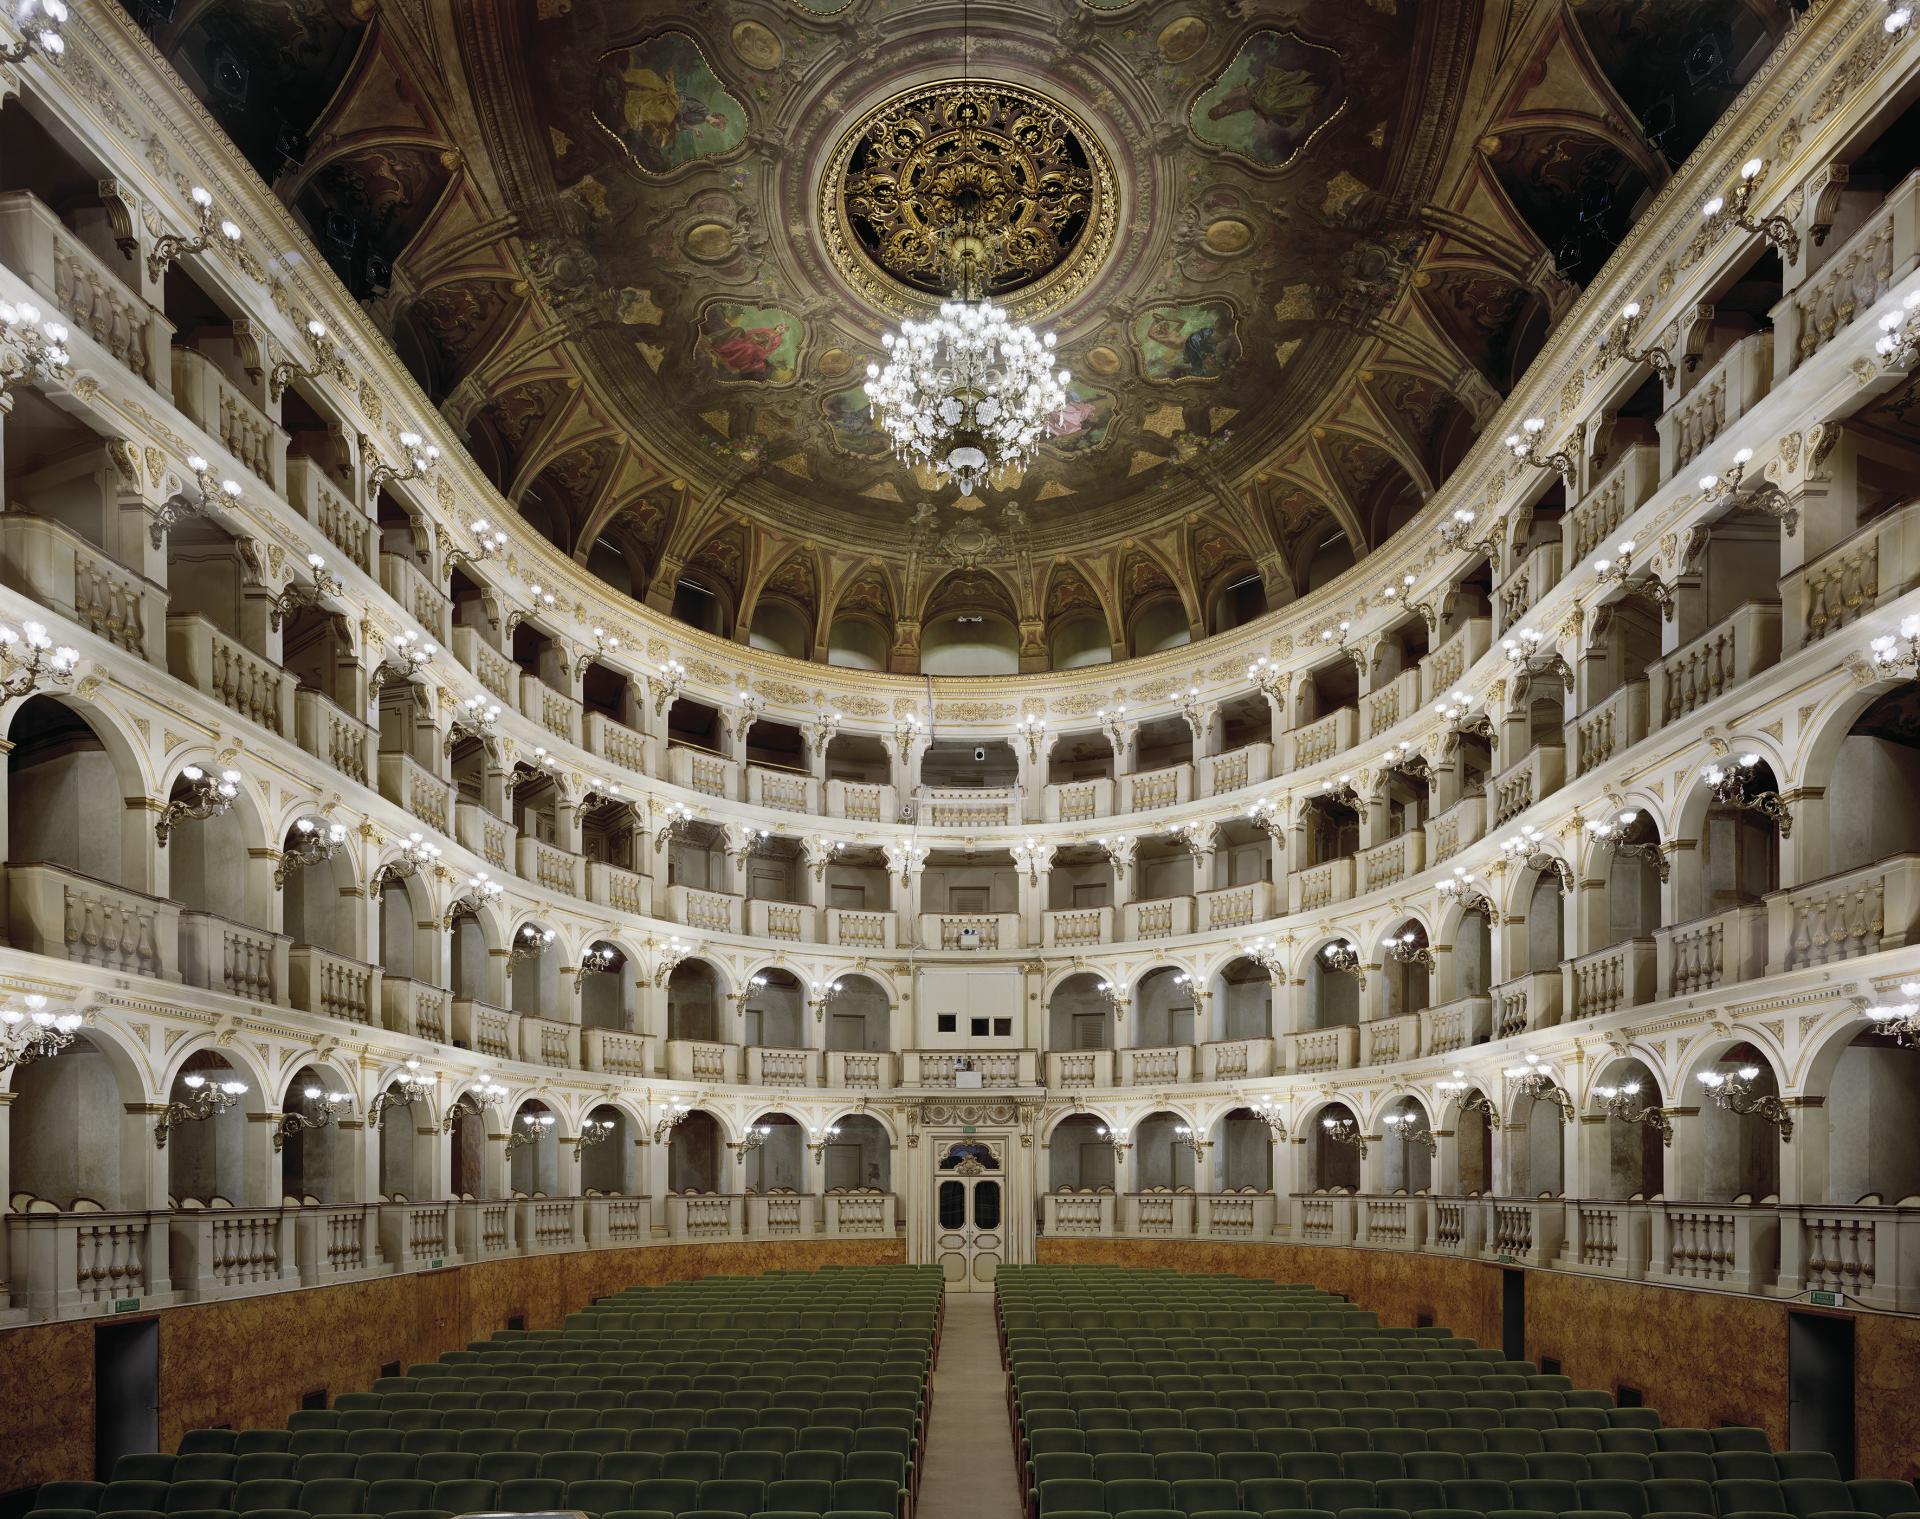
{"points": [[488, 541], [180, 506], [1334, 636], [601, 959], [667, 684], [1340, 791], [1113, 722], [30, 660], [326, 362], [1344, 1131], [407, 655], [1619, 571], [1616, 346], [1535, 1080], [1471, 1101], [675, 1114], [1194, 837], [1732, 210], [204, 1098], [1729, 785], [1407, 949], [905, 732], [600, 793], [35, 1033], [1342, 957], [1185, 1134], [1622, 1102], [1899, 342], [1525, 446], [528, 944], [1529, 652], [402, 1092], [31, 347], [1033, 728], [1267, 954], [754, 1139], [822, 731], [207, 796], [820, 1140], [323, 1108], [595, 1131], [822, 852], [473, 1104], [43, 38], [1456, 711], [1527, 850], [415, 855], [1464, 887], [753, 841], [421, 458], [1898, 18], [315, 841], [678, 815], [1610, 833], [533, 1128], [1117, 1139], [473, 718], [672, 953], [823, 995], [1115, 996], [1766, 497], [1457, 533], [1897, 653], [1401, 595], [905, 860], [1900, 1020], [478, 893], [543, 601], [1268, 678], [1270, 818], [1735, 1093], [604, 643], [1031, 857], [1272, 1117], [1404, 759], [1400, 1126], [171, 245], [298, 594]]}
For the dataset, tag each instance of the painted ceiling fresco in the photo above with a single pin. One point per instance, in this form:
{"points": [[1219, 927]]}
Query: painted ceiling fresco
{"points": [[641, 251]]}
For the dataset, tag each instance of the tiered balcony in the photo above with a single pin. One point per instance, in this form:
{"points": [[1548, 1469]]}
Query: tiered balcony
{"points": [[1386, 707], [710, 912], [245, 683], [66, 574], [784, 1068], [555, 711], [1711, 952], [1231, 907], [970, 930], [406, 582], [493, 838], [1590, 526], [1621, 975], [1719, 660], [1537, 573], [1080, 1068], [1235, 771], [1389, 863], [215, 405], [338, 740], [407, 783], [1236, 1059], [1323, 1049], [704, 771], [1526, 1003], [1853, 578], [858, 929], [319, 981], [1456, 1025], [1078, 801], [788, 922], [616, 743], [783, 790], [1855, 276], [1858, 912], [486, 1029], [314, 495], [617, 1052], [223, 956], [1536, 775], [548, 865], [1320, 886], [415, 1007], [863, 1070], [950, 1070], [1460, 827], [498, 674], [702, 1060], [1716, 400], [861, 802], [1169, 1065], [1612, 727], [1317, 742], [619, 888], [1076, 927], [970, 807], [1151, 790], [1167, 918]]}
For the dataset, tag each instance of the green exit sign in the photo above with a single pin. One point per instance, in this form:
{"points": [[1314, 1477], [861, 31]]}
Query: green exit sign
{"points": [[1824, 1299], [969, 1129], [436, 1263], [126, 1305], [1508, 1260]]}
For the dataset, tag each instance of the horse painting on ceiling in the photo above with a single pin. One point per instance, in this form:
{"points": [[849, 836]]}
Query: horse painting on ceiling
{"points": [[662, 102], [1277, 95]]}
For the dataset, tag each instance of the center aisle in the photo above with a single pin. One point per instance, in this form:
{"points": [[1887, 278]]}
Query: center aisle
{"points": [[968, 1471]]}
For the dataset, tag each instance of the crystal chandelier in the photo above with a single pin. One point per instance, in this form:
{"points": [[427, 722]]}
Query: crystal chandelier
{"points": [[968, 393]]}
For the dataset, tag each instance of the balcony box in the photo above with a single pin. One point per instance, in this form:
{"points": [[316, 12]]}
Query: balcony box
{"points": [[1154, 789], [1386, 1040], [500, 675], [619, 888], [699, 770], [1621, 975], [781, 1216], [1526, 1230], [1323, 1049], [415, 1007], [1229, 907], [616, 1052], [1846, 291], [1459, 827], [1168, 918], [710, 912], [60, 913], [1170, 1065], [1319, 886], [1236, 1059], [1076, 927], [1069, 1069], [702, 1060], [483, 1229], [861, 802], [1321, 740], [1391, 704], [549, 1042], [419, 1236], [245, 683], [1392, 1223], [853, 929], [783, 790], [337, 740], [215, 405], [1078, 801], [216, 1253], [1249, 765], [1722, 659], [1853, 579], [1608, 1239], [1590, 527], [556, 711], [1456, 1025], [236, 958], [1322, 1219], [1526, 1003], [548, 866], [690, 1216], [616, 743], [854, 1215], [793, 922], [1158, 1214], [991, 1069], [1714, 401], [493, 838], [407, 783], [783, 1068], [333, 985], [1612, 727], [485, 1029], [969, 807], [970, 930], [1712, 952], [545, 1224], [406, 582], [1391, 862], [1235, 1215], [615, 1222], [1858, 912], [316, 497], [1869, 1255], [1719, 1245], [65, 573], [1069, 1213], [337, 1242], [1537, 573], [862, 1070], [74, 1265], [1535, 776], [1446, 666]]}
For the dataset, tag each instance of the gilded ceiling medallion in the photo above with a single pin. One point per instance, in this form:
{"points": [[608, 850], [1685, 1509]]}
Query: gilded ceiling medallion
{"points": [[1023, 170]]}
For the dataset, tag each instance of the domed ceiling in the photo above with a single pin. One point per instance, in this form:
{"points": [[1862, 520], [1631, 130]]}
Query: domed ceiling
{"points": [[642, 251]]}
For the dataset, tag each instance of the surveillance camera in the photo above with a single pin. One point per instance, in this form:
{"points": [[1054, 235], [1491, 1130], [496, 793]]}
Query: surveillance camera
{"points": [[979, 752]]}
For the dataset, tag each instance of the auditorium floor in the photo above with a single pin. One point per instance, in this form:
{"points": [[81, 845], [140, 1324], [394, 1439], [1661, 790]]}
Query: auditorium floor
{"points": [[969, 1445]]}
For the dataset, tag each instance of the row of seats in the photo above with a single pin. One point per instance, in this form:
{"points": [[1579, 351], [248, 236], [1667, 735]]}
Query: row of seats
{"points": [[722, 1418], [1122, 1405]]}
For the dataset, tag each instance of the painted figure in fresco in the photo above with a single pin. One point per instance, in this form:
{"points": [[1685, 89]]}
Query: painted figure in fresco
{"points": [[665, 105], [1272, 99], [654, 109], [747, 352], [1187, 342]]}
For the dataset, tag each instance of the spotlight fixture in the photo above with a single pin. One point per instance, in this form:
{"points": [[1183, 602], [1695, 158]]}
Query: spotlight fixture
{"points": [[207, 796]]}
